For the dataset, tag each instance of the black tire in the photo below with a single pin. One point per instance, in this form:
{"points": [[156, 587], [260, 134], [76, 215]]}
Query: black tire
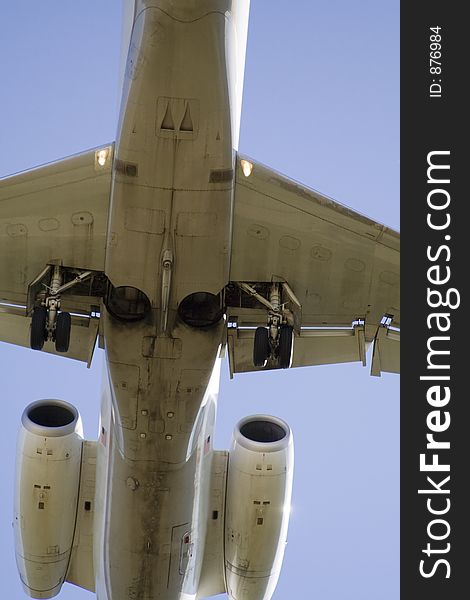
{"points": [[38, 327], [261, 349], [285, 346], [63, 327]]}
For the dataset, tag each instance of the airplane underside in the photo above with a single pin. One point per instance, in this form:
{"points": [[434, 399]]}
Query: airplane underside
{"points": [[167, 265], [170, 250]]}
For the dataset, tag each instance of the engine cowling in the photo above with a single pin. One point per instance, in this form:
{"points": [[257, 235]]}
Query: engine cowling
{"points": [[49, 451], [259, 487]]}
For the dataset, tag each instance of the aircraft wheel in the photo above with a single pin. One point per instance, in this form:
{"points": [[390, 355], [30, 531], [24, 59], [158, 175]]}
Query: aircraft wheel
{"points": [[261, 347], [62, 331], [285, 346], [38, 328]]}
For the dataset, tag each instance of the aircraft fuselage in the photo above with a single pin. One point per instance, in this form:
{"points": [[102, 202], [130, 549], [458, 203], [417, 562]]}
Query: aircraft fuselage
{"points": [[168, 238]]}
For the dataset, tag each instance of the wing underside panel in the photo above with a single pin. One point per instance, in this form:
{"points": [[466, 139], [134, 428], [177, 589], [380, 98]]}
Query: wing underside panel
{"points": [[340, 264], [55, 216], [57, 212], [341, 268]]}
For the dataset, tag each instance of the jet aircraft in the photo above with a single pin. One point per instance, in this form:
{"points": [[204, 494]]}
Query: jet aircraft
{"points": [[157, 418]]}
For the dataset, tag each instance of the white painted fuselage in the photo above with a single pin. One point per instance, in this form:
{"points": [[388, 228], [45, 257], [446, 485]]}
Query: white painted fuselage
{"points": [[168, 236]]}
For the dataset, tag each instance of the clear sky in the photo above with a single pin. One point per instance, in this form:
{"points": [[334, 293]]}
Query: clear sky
{"points": [[321, 105]]}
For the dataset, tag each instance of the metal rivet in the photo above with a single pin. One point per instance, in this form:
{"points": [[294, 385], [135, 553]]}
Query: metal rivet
{"points": [[170, 414], [132, 483], [143, 435], [144, 412], [168, 437]]}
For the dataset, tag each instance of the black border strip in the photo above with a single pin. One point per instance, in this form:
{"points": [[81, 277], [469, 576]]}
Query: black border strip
{"points": [[434, 124]]}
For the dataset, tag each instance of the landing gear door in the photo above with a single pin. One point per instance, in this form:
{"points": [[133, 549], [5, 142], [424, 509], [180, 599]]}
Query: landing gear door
{"points": [[38, 287]]}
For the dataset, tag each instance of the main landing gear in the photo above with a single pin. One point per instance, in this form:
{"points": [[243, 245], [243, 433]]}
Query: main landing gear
{"points": [[274, 342], [49, 322], [41, 329], [279, 347]]}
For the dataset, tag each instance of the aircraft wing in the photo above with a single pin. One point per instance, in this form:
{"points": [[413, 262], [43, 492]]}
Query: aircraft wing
{"points": [[341, 269], [54, 214]]}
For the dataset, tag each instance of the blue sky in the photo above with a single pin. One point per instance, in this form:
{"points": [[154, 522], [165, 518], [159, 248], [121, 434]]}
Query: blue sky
{"points": [[321, 105]]}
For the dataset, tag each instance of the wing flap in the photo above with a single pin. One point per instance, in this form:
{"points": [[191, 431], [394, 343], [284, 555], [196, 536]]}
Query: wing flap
{"points": [[313, 347], [386, 355], [15, 328]]}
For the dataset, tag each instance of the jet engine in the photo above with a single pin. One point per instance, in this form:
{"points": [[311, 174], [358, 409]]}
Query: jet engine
{"points": [[46, 494], [259, 486]]}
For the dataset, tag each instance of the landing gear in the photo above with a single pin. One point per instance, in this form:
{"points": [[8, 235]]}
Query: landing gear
{"points": [[38, 328], [280, 347], [274, 342], [48, 321], [261, 348], [63, 328], [41, 329], [285, 346]]}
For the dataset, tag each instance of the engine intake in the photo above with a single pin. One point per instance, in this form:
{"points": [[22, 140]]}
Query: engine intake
{"points": [[50, 417], [262, 430]]}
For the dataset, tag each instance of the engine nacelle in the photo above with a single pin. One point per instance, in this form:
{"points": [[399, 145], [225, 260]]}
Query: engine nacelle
{"points": [[259, 487], [46, 494]]}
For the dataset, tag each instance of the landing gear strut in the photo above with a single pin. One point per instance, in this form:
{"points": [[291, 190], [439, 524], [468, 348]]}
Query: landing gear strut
{"points": [[49, 322]]}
